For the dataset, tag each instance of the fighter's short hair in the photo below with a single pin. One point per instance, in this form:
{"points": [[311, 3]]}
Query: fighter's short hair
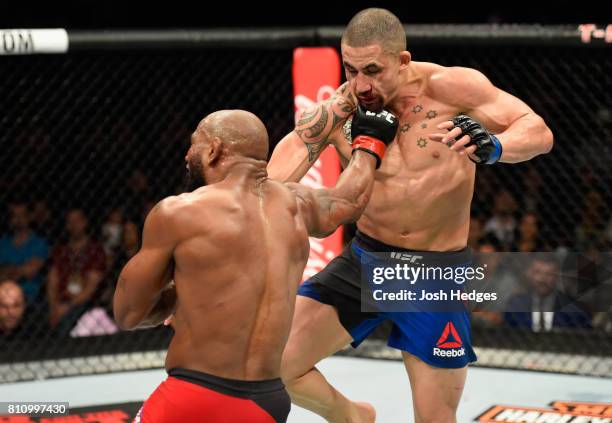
{"points": [[376, 26]]}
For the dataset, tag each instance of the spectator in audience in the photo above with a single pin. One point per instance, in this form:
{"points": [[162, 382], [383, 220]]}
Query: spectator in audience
{"points": [[528, 239], [77, 267], [97, 320], [503, 224], [544, 308], [591, 228], [23, 254], [12, 309], [43, 222], [130, 243], [497, 279], [111, 232]]}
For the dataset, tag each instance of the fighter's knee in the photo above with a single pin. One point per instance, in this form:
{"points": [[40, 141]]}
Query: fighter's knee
{"points": [[290, 364]]}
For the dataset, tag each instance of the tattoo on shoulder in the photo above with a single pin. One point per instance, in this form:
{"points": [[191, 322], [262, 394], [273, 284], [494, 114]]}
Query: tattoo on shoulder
{"points": [[308, 116], [351, 98], [344, 109], [310, 126], [314, 149]]}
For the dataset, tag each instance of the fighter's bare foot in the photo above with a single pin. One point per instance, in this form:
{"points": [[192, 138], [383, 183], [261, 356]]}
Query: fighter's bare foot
{"points": [[367, 413], [356, 412]]}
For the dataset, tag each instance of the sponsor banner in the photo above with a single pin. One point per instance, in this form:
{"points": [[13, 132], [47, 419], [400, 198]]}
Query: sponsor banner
{"points": [[316, 75], [559, 412]]}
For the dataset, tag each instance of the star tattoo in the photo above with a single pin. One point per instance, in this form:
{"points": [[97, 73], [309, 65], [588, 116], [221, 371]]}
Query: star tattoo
{"points": [[405, 127], [417, 108], [422, 142], [431, 114], [423, 125]]}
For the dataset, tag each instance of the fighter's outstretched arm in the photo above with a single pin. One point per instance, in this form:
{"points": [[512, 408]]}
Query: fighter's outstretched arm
{"points": [[323, 210], [299, 149], [145, 295], [521, 133]]}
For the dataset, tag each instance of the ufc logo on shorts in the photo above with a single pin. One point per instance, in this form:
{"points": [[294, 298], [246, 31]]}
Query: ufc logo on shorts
{"points": [[388, 116], [406, 257]]}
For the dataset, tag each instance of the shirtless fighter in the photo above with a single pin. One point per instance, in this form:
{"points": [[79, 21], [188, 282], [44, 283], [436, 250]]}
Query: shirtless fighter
{"points": [[421, 203], [226, 259]]}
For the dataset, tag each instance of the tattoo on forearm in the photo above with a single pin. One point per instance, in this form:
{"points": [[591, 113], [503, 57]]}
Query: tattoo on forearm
{"points": [[314, 149]]}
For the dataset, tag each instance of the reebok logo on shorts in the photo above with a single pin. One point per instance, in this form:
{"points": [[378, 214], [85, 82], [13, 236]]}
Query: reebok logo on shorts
{"points": [[449, 344]]}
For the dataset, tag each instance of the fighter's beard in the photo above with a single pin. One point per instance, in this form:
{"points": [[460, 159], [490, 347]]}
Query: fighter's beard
{"points": [[194, 178], [376, 106]]}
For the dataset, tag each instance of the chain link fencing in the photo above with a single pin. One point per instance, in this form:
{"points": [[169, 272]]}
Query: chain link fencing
{"points": [[92, 140]]}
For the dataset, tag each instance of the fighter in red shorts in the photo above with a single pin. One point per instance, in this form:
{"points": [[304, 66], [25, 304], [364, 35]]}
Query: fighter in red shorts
{"points": [[226, 259]]}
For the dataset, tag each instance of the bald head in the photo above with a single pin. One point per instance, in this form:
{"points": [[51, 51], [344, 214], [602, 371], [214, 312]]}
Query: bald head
{"points": [[12, 305], [376, 26], [10, 288], [241, 132]]}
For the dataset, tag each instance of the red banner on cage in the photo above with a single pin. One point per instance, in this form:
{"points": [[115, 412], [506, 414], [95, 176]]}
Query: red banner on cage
{"points": [[316, 75]]}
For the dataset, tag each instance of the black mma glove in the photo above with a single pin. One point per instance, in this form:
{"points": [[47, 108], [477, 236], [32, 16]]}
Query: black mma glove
{"points": [[488, 147], [372, 132]]}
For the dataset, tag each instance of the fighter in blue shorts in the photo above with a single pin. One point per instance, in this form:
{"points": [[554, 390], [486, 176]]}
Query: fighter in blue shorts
{"points": [[421, 203], [439, 337]]}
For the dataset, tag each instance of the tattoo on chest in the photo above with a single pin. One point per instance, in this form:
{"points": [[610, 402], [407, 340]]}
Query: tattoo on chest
{"points": [[405, 127], [431, 114], [416, 109], [346, 130], [421, 142]]}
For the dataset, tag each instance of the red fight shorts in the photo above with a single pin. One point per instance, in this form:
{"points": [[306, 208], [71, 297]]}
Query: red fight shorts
{"points": [[190, 396]]}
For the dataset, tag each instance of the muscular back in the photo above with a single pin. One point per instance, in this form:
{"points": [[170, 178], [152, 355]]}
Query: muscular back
{"points": [[237, 268]]}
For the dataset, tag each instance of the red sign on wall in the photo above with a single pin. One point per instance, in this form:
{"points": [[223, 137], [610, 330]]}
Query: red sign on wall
{"points": [[316, 75]]}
